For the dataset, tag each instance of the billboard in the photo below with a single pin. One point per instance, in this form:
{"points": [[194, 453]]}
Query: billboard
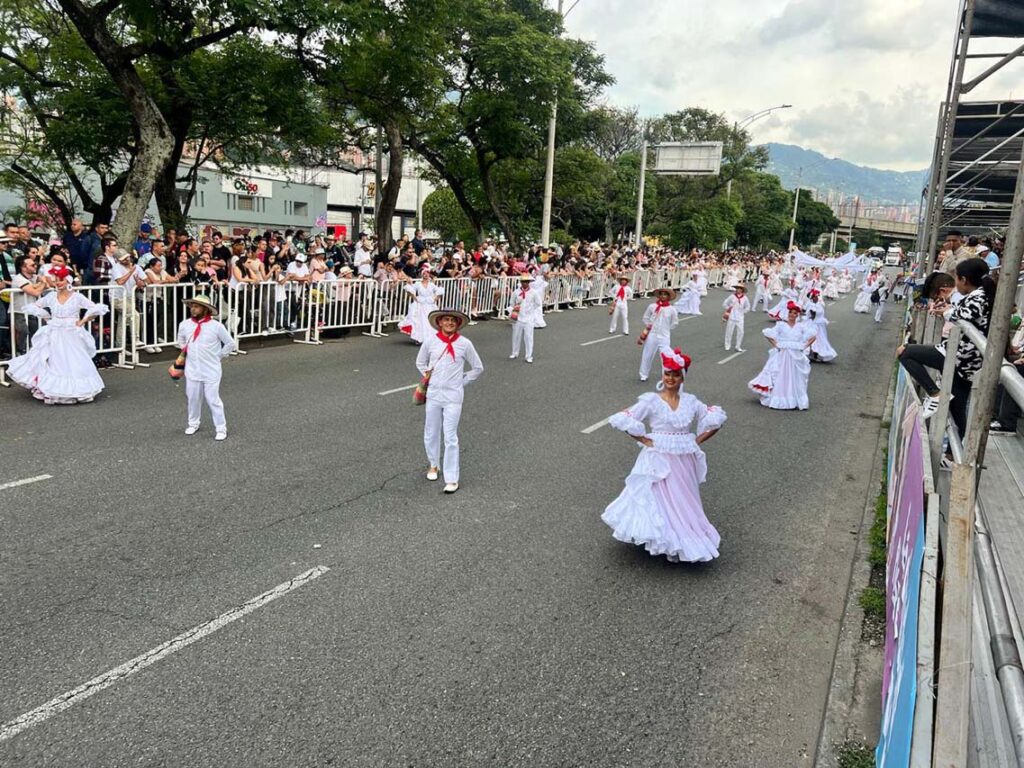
{"points": [[691, 158]]}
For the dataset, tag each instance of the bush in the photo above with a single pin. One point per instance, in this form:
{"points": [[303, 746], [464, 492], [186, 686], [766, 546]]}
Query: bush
{"points": [[872, 600]]}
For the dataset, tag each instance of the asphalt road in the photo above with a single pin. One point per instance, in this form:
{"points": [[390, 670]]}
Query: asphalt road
{"points": [[501, 626]]}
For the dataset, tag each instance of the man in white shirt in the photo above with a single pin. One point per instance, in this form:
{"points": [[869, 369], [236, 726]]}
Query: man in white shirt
{"points": [[29, 288], [527, 308], [205, 342], [363, 260], [445, 356], [736, 308], [297, 275], [659, 320], [619, 309]]}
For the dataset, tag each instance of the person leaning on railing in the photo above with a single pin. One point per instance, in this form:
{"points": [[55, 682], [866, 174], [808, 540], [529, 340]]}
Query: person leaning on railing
{"points": [[1007, 409], [978, 290]]}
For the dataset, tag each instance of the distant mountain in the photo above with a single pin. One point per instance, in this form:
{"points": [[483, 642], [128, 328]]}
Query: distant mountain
{"points": [[824, 174]]}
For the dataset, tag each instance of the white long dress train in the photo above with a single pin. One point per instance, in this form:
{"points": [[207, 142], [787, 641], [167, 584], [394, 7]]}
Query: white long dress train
{"points": [[688, 302], [660, 507], [58, 367], [818, 324], [782, 383], [415, 324]]}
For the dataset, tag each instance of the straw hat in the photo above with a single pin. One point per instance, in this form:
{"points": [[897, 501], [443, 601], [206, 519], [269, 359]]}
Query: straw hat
{"points": [[460, 317], [526, 277], [202, 300], [671, 292], [623, 276]]}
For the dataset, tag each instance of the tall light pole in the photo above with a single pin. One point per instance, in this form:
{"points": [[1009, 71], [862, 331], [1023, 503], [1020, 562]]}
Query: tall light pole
{"points": [[549, 172], [796, 199], [640, 196], [743, 124]]}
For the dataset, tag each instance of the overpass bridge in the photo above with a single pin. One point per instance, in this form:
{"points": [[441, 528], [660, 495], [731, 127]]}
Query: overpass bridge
{"points": [[898, 230]]}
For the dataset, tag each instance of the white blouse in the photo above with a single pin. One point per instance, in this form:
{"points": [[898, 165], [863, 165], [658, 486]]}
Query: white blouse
{"points": [[672, 431]]}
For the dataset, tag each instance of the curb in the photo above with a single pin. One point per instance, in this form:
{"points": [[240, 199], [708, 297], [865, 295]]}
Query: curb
{"points": [[841, 706]]}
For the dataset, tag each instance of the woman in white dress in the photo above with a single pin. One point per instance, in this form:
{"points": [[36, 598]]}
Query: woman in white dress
{"points": [[845, 282], [821, 350], [789, 296], [775, 282], [425, 294], [660, 508], [863, 302], [700, 276], [689, 299], [58, 368], [831, 287], [782, 383]]}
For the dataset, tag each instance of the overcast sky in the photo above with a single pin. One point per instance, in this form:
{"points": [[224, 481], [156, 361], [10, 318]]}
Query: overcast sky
{"points": [[865, 78]]}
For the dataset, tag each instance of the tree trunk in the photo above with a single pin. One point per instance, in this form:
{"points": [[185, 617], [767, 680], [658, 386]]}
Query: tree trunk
{"points": [[492, 197], [392, 186], [608, 232], [476, 220], [154, 142]]}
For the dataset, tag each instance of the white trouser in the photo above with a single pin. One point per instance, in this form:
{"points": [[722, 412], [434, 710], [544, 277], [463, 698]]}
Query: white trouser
{"points": [[621, 311], [196, 391], [765, 297], [878, 311], [734, 326], [651, 349], [443, 416], [522, 332]]}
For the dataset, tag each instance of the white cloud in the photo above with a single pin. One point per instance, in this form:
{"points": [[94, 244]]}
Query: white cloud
{"points": [[865, 79]]}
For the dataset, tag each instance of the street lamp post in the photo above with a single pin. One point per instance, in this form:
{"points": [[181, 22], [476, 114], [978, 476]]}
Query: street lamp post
{"points": [[549, 172]]}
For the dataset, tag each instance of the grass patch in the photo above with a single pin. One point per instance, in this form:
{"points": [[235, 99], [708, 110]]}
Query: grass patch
{"points": [[854, 755], [872, 600]]}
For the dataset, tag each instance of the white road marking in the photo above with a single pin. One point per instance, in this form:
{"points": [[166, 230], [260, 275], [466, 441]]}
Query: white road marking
{"points": [[26, 481], [595, 427], [609, 337], [400, 389], [731, 357], [67, 700]]}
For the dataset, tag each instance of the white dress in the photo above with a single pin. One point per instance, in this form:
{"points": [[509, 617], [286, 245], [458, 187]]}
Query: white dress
{"points": [[58, 367], [782, 383], [660, 507], [778, 312], [424, 302], [701, 278], [863, 302], [688, 302], [831, 288], [819, 327]]}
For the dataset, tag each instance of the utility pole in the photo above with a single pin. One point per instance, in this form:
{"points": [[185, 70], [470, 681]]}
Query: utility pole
{"points": [[796, 206], [640, 196], [549, 172]]}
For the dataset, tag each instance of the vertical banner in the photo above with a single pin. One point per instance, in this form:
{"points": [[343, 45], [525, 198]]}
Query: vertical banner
{"points": [[903, 585]]}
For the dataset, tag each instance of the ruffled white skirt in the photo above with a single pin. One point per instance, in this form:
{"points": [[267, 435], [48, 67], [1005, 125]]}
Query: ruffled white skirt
{"points": [[782, 383], [688, 303], [660, 507], [821, 346], [863, 302], [58, 368], [415, 324]]}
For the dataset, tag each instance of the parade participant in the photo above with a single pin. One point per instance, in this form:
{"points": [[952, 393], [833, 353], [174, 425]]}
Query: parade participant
{"points": [[619, 309], [762, 293], [660, 507], [736, 307], [782, 383], [882, 292], [659, 320], [831, 290], [58, 369], [442, 359], [689, 299], [867, 289], [425, 294], [790, 295], [204, 342], [821, 350], [775, 282], [700, 276], [526, 313], [540, 286]]}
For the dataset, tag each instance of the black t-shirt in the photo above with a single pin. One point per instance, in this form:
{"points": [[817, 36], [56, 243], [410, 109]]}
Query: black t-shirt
{"points": [[223, 253]]}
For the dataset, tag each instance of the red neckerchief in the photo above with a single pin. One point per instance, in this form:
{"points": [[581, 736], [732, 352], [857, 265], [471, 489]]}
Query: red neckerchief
{"points": [[622, 292], [449, 340], [660, 305], [522, 293], [199, 326]]}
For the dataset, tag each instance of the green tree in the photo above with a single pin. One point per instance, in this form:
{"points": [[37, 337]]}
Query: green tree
{"points": [[767, 210], [813, 219], [443, 214]]}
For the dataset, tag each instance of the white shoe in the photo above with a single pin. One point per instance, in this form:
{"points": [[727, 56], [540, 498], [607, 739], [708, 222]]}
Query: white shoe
{"points": [[221, 436], [191, 430], [512, 357], [529, 359], [150, 350], [643, 378], [726, 347], [451, 487], [930, 406], [612, 331], [432, 473], [740, 349], [625, 333]]}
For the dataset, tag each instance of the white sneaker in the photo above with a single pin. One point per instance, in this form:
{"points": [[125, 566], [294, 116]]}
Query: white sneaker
{"points": [[740, 349], [529, 359], [512, 357], [625, 333], [451, 487], [150, 350], [221, 436], [472, 322], [930, 406], [726, 347], [643, 378], [432, 473], [191, 430]]}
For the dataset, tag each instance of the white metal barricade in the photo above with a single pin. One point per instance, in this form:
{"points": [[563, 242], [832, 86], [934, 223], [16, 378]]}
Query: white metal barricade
{"points": [[269, 308], [162, 308], [336, 304], [393, 304]]}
